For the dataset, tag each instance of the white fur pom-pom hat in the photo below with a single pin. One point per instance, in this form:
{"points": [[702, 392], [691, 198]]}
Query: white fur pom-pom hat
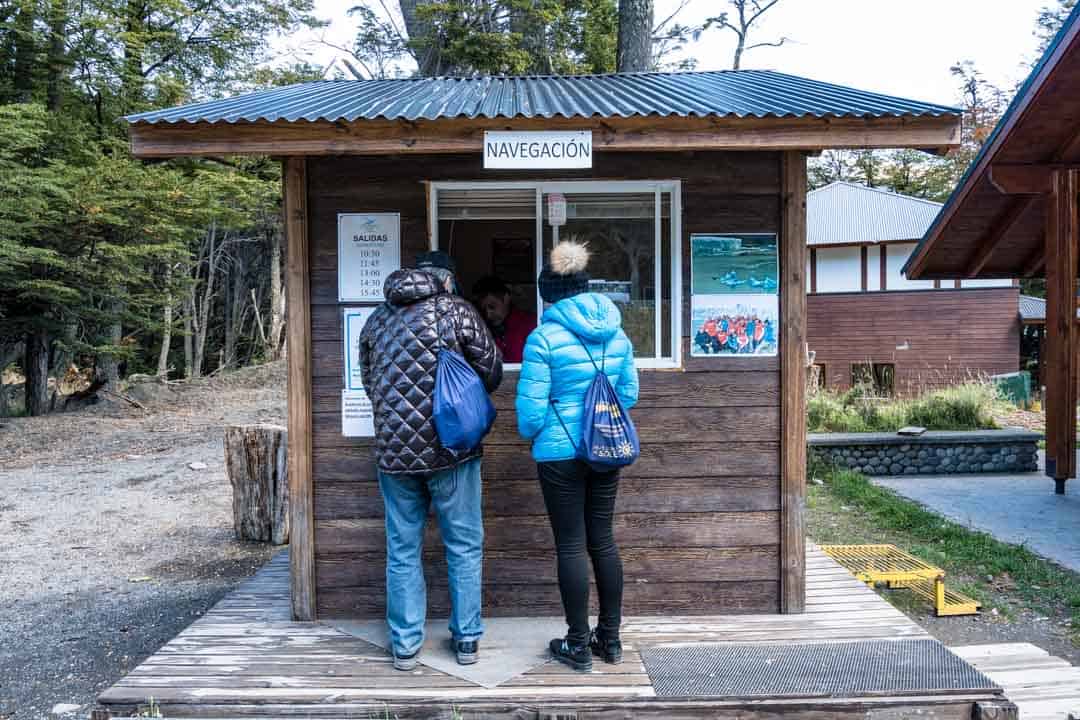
{"points": [[565, 275]]}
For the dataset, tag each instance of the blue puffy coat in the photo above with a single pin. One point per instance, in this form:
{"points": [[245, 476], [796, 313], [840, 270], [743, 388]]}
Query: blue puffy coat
{"points": [[556, 366]]}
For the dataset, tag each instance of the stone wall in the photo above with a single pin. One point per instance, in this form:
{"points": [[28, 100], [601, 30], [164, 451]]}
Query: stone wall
{"points": [[932, 453]]}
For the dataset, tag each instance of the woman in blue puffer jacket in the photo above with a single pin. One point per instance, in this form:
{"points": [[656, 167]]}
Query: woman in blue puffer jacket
{"points": [[580, 332]]}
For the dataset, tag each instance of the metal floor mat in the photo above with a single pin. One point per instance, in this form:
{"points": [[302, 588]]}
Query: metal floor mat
{"points": [[848, 669]]}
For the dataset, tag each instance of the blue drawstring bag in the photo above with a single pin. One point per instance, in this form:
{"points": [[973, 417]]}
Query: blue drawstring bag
{"points": [[609, 440], [463, 413]]}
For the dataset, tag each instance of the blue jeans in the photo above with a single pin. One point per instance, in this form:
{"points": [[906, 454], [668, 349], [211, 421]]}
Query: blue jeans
{"points": [[455, 495]]}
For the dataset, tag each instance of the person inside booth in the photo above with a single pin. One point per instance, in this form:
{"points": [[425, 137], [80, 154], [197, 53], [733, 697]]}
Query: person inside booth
{"points": [[509, 325]]}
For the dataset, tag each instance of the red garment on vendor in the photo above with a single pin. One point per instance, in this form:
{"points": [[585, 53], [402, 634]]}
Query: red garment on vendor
{"points": [[512, 335]]}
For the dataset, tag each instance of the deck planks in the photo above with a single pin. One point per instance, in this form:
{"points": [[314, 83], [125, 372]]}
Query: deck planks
{"points": [[246, 654], [1043, 687]]}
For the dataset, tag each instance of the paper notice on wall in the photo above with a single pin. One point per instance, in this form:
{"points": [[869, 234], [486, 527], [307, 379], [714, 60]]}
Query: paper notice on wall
{"points": [[352, 324], [369, 249], [357, 415]]}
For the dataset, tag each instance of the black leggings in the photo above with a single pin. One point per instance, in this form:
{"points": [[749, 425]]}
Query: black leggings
{"points": [[581, 505]]}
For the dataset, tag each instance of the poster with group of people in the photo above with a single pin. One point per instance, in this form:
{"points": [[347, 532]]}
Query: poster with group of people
{"points": [[734, 295]]}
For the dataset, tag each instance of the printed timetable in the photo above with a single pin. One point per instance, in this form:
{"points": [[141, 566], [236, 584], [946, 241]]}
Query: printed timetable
{"points": [[369, 249]]}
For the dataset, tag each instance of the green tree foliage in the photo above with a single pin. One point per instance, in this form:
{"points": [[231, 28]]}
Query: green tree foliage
{"points": [[97, 249], [913, 172], [469, 37], [1050, 20]]}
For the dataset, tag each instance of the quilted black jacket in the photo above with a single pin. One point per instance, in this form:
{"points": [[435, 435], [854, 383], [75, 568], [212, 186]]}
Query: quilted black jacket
{"points": [[398, 347]]}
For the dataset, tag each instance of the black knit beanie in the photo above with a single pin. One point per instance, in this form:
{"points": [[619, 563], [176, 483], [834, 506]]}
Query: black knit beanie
{"points": [[565, 275]]}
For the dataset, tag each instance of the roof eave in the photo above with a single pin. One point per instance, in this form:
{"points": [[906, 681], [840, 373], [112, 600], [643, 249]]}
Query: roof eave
{"points": [[916, 265], [637, 133]]}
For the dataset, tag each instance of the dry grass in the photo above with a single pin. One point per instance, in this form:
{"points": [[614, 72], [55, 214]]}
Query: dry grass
{"points": [[970, 406]]}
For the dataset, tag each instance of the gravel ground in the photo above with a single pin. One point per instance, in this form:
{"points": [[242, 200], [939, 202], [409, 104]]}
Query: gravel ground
{"points": [[112, 543]]}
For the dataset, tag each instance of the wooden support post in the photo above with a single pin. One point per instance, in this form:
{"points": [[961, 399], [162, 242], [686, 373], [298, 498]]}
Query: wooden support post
{"points": [[302, 530], [793, 358], [883, 254], [1062, 236], [864, 253]]}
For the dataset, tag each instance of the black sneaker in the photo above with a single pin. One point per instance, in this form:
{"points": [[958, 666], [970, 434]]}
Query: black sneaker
{"points": [[579, 658], [468, 651], [610, 651], [406, 662]]}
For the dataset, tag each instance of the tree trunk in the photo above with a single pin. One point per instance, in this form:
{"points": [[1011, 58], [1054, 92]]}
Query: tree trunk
{"points": [[189, 354], [107, 364], [203, 307], [634, 51], [23, 80], [228, 318], [58, 12], [256, 467], [62, 358], [166, 327], [235, 308], [8, 355], [427, 53], [533, 40], [36, 371], [132, 80], [277, 298]]}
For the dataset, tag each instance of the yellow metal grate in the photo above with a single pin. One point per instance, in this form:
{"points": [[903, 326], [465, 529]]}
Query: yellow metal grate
{"points": [[873, 564]]}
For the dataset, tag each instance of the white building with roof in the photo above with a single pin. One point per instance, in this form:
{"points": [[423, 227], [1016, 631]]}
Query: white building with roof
{"points": [[868, 323], [860, 237]]}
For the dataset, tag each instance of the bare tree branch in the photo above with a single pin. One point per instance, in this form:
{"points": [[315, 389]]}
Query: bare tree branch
{"points": [[778, 43]]}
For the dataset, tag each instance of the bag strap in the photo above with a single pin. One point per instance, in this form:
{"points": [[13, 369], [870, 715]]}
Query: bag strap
{"points": [[566, 430], [603, 352], [599, 369], [442, 344]]}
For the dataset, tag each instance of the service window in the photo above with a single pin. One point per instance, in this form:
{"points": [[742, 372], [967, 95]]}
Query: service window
{"points": [[505, 230]]}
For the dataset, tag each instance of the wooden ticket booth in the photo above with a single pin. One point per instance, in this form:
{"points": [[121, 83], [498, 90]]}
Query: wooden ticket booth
{"points": [[690, 189]]}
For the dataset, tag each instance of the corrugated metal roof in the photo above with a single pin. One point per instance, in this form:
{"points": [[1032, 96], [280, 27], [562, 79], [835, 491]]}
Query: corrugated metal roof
{"points": [[843, 212], [1032, 308], [739, 93]]}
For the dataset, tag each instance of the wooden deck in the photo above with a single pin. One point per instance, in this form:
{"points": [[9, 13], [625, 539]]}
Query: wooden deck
{"points": [[1043, 687], [245, 658]]}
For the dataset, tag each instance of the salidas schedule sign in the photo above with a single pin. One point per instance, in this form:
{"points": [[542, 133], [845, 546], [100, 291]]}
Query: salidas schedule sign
{"points": [[369, 249]]}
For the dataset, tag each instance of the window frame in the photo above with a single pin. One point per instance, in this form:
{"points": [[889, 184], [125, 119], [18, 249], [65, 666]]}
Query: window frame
{"points": [[542, 187]]}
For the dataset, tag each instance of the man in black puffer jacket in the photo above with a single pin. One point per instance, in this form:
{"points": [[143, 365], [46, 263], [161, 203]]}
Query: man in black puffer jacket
{"points": [[398, 351]]}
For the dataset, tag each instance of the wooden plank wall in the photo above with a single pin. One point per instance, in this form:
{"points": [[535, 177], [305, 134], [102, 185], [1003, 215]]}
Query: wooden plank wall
{"points": [[952, 334], [698, 521]]}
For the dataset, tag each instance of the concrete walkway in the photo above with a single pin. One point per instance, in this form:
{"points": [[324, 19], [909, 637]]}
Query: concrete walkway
{"points": [[1020, 509]]}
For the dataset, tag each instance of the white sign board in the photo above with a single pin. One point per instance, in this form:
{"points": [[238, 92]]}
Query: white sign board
{"points": [[354, 319], [556, 209], [523, 149], [369, 249], [357, 416]]}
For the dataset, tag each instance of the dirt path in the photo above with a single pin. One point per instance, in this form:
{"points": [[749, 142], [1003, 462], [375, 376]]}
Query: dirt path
{"points": [[112, 542]]}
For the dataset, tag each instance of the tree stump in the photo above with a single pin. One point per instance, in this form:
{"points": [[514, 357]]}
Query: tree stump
{"points": [[255, 464]]}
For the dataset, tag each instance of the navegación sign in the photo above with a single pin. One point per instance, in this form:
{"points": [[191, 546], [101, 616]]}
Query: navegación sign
{"points": [[522, 149]]}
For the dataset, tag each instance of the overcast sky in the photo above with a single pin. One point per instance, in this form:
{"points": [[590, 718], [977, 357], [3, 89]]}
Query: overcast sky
{"points": [[899, 47]]}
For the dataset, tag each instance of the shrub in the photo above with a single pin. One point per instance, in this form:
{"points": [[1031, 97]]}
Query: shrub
{"points": [[962, 407]]}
